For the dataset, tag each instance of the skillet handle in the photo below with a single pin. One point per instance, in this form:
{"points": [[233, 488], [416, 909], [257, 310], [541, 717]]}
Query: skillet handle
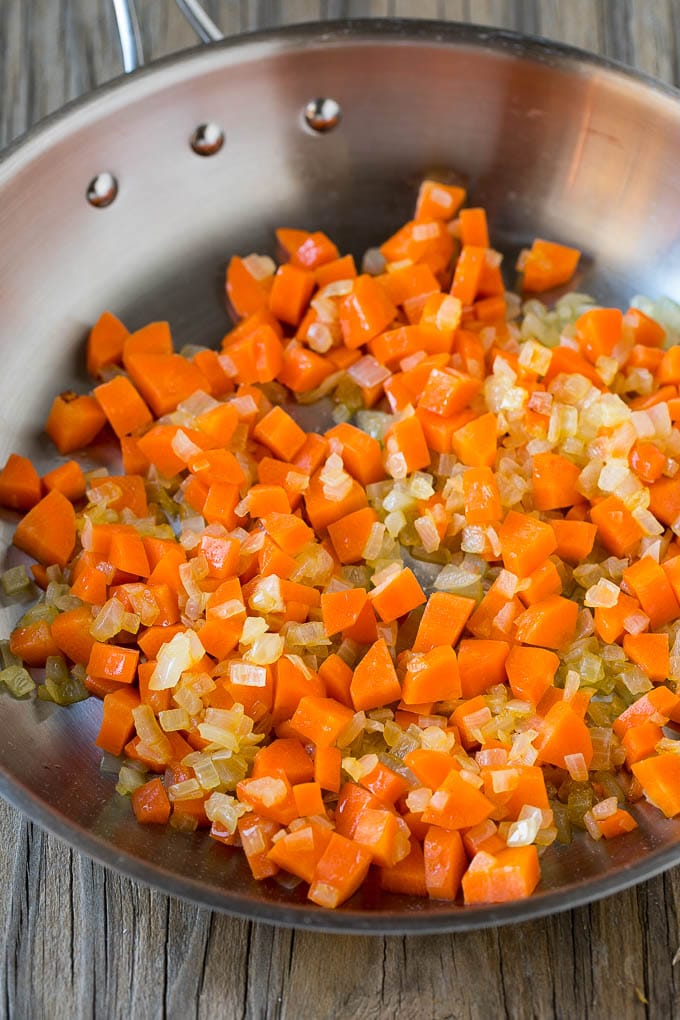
{"points": [[130, 36], [202, 24]]}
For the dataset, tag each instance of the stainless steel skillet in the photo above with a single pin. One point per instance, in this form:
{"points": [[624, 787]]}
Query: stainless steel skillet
{"points": [[552, 141]]}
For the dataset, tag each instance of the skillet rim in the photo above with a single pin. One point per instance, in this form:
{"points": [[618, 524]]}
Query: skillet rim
{"points": [[154, 76]]}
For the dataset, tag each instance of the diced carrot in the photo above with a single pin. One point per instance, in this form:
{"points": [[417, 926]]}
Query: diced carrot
{"points": [[481, 496], [263, 500], [384, 834], [307, 250], [271, 796], [220, 504], [392, 346], [341, 609], [669, 369], [407, 876], [445, 862], [365, 311], [302, 369], [20, 485], [428, 242], [150, 803], [99, 688], [68, 478], [659, 777], [405, 447], [352, 801], [650, 652], [210, 364], [526, 542], [154, 338], [640, 741], [163, 380], [117, 722], [48, 531], [550, 623], [475, 443], [567, 360], [257, 835], [647, 461], [431, 676], [610, 621], [541, 583], [33, 642], [530, 790], [616, 824], [481, 665], [468, 273], [397, 596], [247, 295], [349, 534], [554, 481], [410, 286], [323, 511], [127, 553], [375, 681], [430, 767], [71, 633], [448, 391], [339, 872], [385, 783], [642, 329], [280, 434], [457, 804], [308, 799], [562, 733], [105, 343], [664, 500], [474, 229], [299, 852], [495, 615], [438, 201], [649, 583], [338, 269], [327, 768], [548, 265], [74, 421], [320, 720], [112, 662], [443, 621], [657, 705], [575, 539], [288, 756], [511, 874], [618, 530], [255, 358], [598, 331], [531, 672], [125, 410], [360, 452]]}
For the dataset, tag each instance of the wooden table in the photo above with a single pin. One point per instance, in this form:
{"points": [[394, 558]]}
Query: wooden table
{"points": [[81, 941]]}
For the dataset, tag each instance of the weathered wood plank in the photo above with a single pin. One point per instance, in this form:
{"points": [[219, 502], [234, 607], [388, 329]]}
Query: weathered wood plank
{"points": [[82, 942]]}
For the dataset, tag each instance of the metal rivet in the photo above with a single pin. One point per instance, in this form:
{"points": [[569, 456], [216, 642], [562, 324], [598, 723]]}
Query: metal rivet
{"points": [[207, 139], [102, 190], [323, 115]]}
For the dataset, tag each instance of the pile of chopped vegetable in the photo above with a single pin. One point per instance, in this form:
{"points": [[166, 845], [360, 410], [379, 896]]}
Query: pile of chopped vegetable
{"points": [[250, 601]]}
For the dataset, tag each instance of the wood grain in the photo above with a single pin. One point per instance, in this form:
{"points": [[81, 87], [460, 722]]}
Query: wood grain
{"points": [[83, 942]]}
